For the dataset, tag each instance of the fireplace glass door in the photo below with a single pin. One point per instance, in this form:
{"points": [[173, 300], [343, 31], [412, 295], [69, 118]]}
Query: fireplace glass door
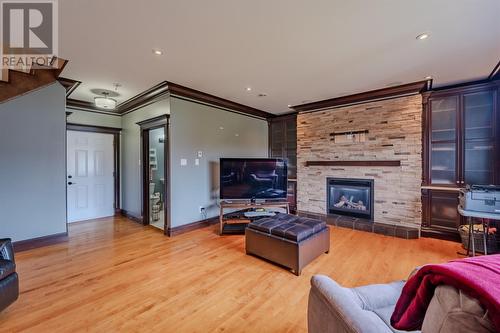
{"points": [[350, 197]]}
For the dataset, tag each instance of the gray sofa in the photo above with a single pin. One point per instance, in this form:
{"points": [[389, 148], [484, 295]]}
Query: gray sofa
{"points": [[335, 309]]}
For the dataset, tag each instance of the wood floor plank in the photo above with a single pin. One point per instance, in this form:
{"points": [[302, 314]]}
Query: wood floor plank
{"points": [[116, 275]]}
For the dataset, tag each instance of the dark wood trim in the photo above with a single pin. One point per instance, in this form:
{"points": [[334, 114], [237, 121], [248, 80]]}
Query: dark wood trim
{"points": [[92, 128], [145, 98], [82, 105], [69, 84], [34, 243], [154, 122], [466, 86], [354, 163], [495, 73], [178, 90], [131, 216], [116, 151], [286, 114], [162, 121], [433, 233], [164, 88], [175, 231], [379, 94]]}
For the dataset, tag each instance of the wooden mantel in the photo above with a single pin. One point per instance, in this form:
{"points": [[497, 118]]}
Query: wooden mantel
{"points": [[388, 163]]}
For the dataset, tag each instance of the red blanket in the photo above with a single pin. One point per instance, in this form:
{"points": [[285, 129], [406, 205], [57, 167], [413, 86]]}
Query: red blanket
{"points": [[478, 277]]}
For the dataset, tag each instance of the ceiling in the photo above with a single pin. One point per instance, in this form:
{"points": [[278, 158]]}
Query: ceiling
{"points": [[295, 51]]}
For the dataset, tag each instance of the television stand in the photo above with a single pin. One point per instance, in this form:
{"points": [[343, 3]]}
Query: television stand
{"points": [[237, 223]]}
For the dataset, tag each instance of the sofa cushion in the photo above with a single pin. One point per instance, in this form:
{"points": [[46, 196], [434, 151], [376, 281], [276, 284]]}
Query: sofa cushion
{"points": [[7, 267], [380, 299], [452, 311]]}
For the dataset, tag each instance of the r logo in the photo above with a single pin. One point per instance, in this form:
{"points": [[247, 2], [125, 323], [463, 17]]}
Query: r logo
{"points": [[28, 27]]}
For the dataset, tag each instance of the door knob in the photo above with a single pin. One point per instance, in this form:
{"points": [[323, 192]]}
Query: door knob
{"points": [[70, 183], [70, 176]]}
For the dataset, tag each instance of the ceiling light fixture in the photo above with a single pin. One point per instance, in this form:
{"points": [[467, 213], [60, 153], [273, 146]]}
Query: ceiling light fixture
{"points": [[105, 102], [158, 52], [423, 36], [289, 105], [249, 89]]}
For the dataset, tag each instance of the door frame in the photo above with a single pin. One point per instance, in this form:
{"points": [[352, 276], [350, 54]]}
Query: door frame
{"points": [[116, 152], [162, 121]]}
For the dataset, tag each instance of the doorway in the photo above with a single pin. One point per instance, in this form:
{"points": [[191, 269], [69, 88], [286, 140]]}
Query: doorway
{"points": [[92, 171], [155, 171]]}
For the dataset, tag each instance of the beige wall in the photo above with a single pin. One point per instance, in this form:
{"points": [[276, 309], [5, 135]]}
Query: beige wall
{"points": [[395, 133], [196, 128], [33, 164], [131, 183], [94, 118]]}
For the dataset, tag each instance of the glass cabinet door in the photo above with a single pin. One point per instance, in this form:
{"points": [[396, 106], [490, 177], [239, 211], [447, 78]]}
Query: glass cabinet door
{"points": [[443, 146], [291, 147], [479, 141], [277, 138]]}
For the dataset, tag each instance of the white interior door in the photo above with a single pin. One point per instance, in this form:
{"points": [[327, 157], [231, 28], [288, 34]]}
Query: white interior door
{"points": [[90, 177]]}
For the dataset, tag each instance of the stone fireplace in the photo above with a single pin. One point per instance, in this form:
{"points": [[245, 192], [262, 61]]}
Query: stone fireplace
{"points": [[350, 197], [386, 151]]}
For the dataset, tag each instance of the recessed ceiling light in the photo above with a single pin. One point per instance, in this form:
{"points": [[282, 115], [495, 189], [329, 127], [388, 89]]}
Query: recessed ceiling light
{"points": [[157, 52], [221, 128], [423, 36], [249, 89]]}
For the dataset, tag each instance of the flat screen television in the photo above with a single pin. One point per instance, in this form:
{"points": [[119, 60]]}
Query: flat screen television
{"points": [[253, 178]]}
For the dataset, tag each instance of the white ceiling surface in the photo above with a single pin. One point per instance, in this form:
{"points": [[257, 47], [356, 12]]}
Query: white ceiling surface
{"points": [[292, 50]]}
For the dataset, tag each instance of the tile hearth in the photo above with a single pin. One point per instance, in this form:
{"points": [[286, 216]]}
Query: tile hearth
{"points": [[366, 225]]}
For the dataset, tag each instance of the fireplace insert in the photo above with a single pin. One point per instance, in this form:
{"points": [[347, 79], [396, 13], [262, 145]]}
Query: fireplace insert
{"points": [[352, 197]]}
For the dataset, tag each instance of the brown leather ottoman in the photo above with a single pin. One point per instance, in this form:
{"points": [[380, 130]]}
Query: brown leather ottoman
{"points": [[287, 240]]}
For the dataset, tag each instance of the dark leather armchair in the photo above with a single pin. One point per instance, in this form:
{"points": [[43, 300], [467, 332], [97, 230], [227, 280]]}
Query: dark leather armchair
{"points": [[9, 281]]}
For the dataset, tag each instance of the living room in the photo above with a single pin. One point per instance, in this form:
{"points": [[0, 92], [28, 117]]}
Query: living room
{"points": [[243, 167]]}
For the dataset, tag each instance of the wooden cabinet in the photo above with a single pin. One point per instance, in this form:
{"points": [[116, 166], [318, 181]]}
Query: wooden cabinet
{"points": [[292, 195], [440, 217], [283, 144], [461, 147]]}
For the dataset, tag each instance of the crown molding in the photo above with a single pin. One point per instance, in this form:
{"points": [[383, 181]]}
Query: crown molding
{"points": [[163, 89], [202, 97], [147, 97], [378, 94]]}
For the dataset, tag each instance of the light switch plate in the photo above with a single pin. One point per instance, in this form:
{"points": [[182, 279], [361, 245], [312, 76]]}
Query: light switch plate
{"points": [[197, 161], [184, 162]]}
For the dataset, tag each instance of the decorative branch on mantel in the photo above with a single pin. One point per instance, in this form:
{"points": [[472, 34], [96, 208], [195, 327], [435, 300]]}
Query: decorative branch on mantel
{"points": [[388, 163]]}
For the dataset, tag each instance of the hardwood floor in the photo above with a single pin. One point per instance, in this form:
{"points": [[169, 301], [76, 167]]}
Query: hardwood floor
{"points": [[116, 275]]}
